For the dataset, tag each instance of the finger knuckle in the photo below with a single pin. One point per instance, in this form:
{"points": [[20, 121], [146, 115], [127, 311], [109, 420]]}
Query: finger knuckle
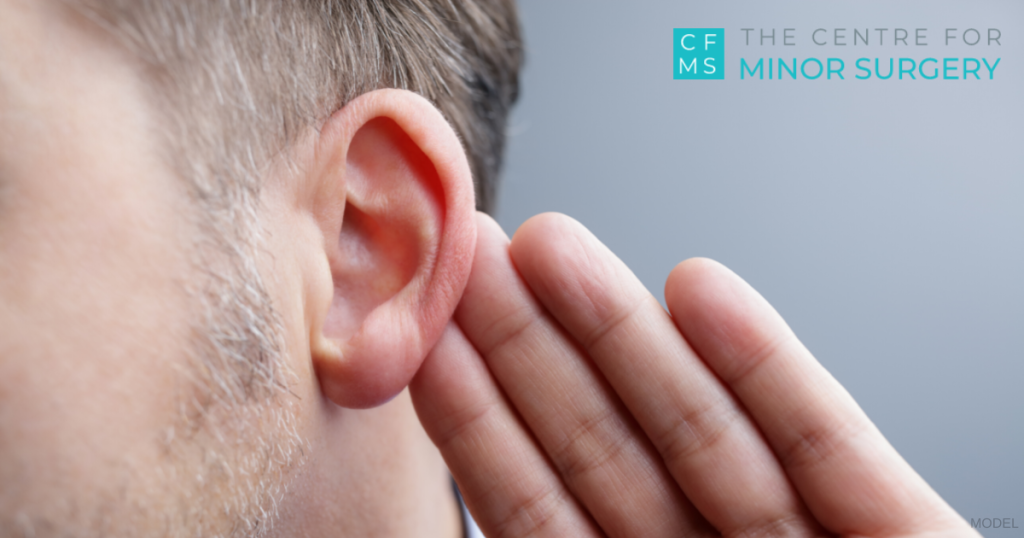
{"points": [[460, 423], [756, 358], [593, 445], [508, 329], [789, 525], [613, 322], [816, 445], [697, 430], [531, 515]]}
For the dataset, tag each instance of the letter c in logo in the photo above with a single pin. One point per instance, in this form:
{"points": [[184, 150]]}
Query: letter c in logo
{"points": [[683, 41]]}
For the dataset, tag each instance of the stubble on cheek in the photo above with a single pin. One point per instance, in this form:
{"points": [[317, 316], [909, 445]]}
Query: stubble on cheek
{"points": [[235, 445]]}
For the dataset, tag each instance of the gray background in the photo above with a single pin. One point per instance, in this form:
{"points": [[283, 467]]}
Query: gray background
{"points": [[884, 219]]}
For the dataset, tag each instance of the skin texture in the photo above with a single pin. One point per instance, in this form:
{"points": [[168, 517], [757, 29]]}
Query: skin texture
{"points": [[97, 355], [564, 399], [586, 409]]}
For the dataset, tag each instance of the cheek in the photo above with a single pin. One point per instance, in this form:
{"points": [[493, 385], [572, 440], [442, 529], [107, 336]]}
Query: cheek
{"points": [[96, 327], [298, 282]]}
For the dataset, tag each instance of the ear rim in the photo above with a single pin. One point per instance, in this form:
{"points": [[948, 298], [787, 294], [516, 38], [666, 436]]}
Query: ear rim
{"points": [[345, 370]]}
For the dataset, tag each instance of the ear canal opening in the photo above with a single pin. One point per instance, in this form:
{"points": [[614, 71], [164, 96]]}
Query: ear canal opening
{"points": [[375, 261]]}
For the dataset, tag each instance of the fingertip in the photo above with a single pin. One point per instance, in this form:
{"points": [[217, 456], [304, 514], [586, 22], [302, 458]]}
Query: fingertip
{"points": [[544, 221], [710, 304], [491, 244], [688, 274], [551, 247], [693, 284], [492, 281], [487, 223], [539, 230], [490, 239]]}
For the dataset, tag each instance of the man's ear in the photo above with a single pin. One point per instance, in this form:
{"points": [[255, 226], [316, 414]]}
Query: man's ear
{"points": [[394, 201]]}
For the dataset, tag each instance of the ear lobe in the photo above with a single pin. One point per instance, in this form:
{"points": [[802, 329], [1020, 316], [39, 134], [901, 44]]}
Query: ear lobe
{"points": [[401, 253]]}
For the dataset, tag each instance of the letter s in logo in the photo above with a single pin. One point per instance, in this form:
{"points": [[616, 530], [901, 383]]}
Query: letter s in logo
{"points": [[709, 66]]}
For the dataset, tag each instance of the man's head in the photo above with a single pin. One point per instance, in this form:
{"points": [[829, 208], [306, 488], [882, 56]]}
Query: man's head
{"points": [[214, 223]]}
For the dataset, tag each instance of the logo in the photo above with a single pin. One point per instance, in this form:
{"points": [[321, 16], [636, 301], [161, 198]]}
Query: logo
{"points": [[699, 53]]}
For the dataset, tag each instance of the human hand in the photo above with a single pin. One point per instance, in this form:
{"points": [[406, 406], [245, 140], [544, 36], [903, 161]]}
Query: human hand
{"points": [[567, 402]]}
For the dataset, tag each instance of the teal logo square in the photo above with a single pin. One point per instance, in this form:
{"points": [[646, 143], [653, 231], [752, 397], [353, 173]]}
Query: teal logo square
{"points": [[699, 53]]}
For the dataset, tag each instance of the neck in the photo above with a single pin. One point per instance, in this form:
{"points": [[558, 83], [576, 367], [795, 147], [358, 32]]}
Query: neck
{"points": [[371, 473]]}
